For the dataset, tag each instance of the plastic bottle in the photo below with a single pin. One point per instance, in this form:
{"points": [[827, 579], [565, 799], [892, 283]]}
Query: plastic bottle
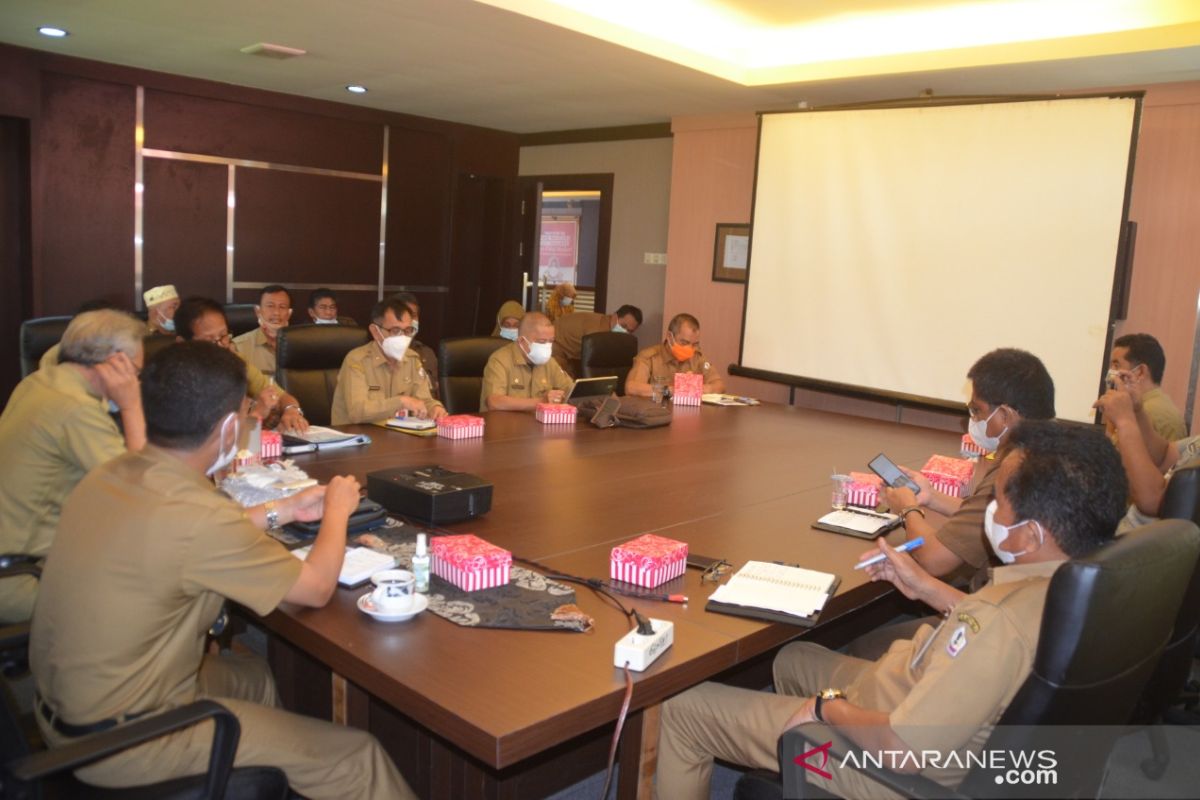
{"points": [[420, 564]]}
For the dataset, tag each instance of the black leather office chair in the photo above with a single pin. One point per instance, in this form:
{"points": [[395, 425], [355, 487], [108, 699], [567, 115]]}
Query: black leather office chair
{"points": [[241, 318], [1106, 620], [1181, 501], [608, 353], [38, 336], [154, 343], [460, 367], [307, 361]]}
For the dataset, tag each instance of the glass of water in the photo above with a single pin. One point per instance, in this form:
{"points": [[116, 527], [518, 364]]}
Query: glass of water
{"points": [[841, 489]]}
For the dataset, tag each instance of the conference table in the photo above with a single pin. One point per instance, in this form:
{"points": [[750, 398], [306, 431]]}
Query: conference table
{"points": [[474, 712]]}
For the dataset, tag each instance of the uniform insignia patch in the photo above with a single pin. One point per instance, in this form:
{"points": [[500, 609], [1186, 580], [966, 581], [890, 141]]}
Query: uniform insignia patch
{"points": [[958, 641], [972, 623], [707, 365]]}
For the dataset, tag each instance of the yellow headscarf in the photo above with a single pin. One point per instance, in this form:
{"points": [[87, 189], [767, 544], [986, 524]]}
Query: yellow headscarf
{"points": [[511, 308], [554, 306]]}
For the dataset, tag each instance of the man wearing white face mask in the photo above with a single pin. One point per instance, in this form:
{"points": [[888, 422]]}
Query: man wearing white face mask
{"points": [[521, 375], [151, 549], [1059, 494], [384, 377], [257, 347]]}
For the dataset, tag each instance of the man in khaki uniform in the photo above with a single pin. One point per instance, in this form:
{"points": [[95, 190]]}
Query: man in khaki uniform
{"points": [[428, 356], [1138, 360], [56, 427], [203, 320], [385, 376], [570, 329], [117, 636], [257, 347], [679, 352], [521, 375], [944, 689]]}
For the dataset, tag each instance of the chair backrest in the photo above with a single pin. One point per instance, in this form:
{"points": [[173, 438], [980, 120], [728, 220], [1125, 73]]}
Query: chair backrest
{"points": [[241, 318], [1107, 618], [1181, 501], [608, 353], [307, 361], [38, 336], [154, 343], [460, 370]]}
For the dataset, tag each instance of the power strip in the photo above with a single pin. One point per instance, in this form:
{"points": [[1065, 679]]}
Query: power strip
{"points": [[643, 650]]}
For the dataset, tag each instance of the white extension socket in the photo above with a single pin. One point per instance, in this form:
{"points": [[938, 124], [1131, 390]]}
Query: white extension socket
{"points": [[642, 651]]}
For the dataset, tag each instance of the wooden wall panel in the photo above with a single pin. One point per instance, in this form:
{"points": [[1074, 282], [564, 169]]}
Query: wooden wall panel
{"points": [[420, 190], [184, 227], [240, 130], [83, 173], [305, 228]]}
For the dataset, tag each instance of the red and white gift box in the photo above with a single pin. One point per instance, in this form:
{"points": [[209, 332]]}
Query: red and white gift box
{"points": [[460, 426], [863, 489], [555, 412], [689, 386], [648, 560], [272, 444], [469, 562], [949, 475], [970, 448]]}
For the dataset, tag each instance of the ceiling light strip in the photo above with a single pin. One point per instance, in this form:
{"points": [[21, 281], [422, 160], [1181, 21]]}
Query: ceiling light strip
{"points": [[242, 162], [383, 205], [139, 191]]}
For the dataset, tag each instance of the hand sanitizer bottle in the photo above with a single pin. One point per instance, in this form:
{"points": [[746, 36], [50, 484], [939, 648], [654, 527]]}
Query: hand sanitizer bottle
{"points": [[420, 565]]}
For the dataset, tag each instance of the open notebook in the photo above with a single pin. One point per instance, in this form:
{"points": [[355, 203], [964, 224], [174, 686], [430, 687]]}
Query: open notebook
{"points": [[775, 592], [360, 563], [318, 437]]}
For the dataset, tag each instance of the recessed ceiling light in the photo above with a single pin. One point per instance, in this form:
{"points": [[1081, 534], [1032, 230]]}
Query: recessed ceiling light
{"points": [[52, 32], [356, 89]]}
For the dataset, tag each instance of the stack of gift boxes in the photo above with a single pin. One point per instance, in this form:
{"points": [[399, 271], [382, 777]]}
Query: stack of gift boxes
{"points": [[272, 445], [549, 413], [469, 562], [689, 386], [863, 489], [648, 560], [460, 426]]}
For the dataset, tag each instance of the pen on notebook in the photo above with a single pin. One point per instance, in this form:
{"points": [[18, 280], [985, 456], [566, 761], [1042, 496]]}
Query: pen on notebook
{"points": [[904, 548]]}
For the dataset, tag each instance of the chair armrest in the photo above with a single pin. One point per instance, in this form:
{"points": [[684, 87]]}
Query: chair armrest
{"points": [[803, 738], [95, 747], [13, 564]]}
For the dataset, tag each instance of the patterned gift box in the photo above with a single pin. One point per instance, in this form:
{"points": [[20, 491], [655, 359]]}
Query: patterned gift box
{"points": [[272, 445], [469, 562], [863, 489], [969, 447], [460, 426], [949, 475], [689, 386], [648, 560], [555, 412]]}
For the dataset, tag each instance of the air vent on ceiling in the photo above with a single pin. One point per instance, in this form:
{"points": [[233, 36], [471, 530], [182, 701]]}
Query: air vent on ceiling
{"points": [[268, 50]]}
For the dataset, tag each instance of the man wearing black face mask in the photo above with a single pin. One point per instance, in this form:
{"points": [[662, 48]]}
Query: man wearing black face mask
{"points": [[150, 552]]}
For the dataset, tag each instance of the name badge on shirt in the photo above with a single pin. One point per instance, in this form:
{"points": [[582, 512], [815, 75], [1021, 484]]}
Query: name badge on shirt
{"points": [[374, 388], [958, 641]]}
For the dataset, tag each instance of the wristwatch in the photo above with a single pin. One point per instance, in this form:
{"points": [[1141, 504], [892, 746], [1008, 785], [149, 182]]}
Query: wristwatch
{"points": [[290, 406], [824, 696], [272, 515], [904, 512]]}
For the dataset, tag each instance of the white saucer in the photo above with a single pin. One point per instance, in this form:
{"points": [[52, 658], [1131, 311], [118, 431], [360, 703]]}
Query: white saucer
{"points": [[365, 605]]}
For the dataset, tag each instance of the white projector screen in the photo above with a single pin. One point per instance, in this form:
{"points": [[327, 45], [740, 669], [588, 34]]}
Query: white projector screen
{"points": [[893, 247]]}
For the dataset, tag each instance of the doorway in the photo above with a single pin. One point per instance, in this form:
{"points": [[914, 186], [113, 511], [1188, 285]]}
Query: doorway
{"points": [[16, 295], [566, 222]]}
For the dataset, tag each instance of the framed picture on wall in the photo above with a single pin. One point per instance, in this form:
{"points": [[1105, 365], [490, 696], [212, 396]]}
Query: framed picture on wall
{"points": [[731, 252]]}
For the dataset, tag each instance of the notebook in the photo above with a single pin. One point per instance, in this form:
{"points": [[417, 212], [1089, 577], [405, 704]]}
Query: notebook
{"points": [[320, 438], [358, 567], [858, 522], [775, 592]]}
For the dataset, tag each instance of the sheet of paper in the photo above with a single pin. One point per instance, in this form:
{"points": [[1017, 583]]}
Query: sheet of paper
{"points": [[792, 590]]}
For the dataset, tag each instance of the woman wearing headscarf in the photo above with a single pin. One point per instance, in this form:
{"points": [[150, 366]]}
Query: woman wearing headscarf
{"points": [[562, 301], [508, 318]]}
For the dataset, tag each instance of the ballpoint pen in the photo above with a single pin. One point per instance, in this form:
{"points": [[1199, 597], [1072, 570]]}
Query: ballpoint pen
{"points": [[904, 548]]}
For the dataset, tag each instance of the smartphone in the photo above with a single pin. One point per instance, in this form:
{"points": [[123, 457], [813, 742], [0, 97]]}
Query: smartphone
{"points": [[892, 475]]}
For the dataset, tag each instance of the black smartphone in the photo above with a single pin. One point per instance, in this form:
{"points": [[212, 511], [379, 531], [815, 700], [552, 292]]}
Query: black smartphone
{"points": [[892, 475]]}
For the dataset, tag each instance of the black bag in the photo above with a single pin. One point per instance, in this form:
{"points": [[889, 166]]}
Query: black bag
{"points": [[367, 517], [627, 412]]}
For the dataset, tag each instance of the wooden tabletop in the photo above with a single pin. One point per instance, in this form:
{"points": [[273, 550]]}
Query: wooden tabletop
{"points": [[734, 483]]}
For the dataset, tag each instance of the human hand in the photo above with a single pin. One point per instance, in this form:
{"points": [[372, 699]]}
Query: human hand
{"points": [[807, 713], [414, 406], [899, 569], [308, 505], [438, 413], [1117, 406], [119, 381], [900, 497], [265, 403], [921, 481], [342, 496], [292, 421], [555, 396]]}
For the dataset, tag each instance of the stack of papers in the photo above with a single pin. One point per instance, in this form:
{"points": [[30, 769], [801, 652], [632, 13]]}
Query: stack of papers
{"points": [[789, 590], [728, 400], [360, 564], [319, 438]]}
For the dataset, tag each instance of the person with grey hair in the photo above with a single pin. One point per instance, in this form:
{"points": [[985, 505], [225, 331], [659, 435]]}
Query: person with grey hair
{"points": [[520, 375], [56, 427]]}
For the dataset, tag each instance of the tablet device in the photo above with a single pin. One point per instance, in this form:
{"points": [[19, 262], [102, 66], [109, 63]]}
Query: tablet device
{"points": [[592, 387]]}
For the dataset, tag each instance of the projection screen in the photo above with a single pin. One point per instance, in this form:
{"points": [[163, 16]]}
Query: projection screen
{"points": [[892, 247]]}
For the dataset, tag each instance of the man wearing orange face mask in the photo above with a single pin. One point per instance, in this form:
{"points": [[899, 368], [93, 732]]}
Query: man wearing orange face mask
{"points": [[679, 352]]}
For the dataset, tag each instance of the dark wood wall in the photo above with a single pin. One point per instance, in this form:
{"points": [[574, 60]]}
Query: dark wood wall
{"points": [[449, 194]]}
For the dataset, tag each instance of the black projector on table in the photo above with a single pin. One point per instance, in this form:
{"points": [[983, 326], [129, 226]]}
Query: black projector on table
{"points": [[430, 494]]}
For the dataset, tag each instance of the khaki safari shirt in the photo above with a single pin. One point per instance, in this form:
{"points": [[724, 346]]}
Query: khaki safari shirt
{"points": [[254, 348], [569, 331], [945, 688], [370, 388], [430, 363], [149, 552], [657, 364], [508, 372], [1164, 417], [54, 429], [962, 533]]}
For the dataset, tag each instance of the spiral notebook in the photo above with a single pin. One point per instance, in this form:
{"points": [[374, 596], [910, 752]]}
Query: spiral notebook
{"points": [[775, 592]]}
